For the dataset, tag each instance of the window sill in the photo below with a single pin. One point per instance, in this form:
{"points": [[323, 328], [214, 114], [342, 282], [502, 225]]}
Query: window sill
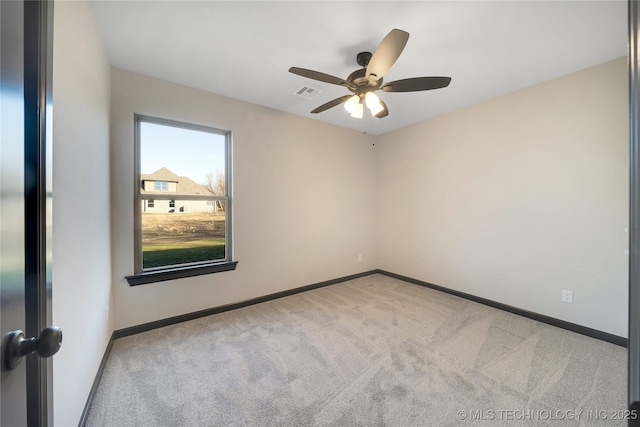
{"points": [[179, 273]]}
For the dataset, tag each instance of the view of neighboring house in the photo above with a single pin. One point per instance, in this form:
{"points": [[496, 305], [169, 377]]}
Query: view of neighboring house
{"points": [[164, 182]]}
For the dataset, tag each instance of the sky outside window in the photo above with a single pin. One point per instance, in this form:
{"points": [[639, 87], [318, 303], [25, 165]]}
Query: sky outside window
{"points": [[184, 152]]}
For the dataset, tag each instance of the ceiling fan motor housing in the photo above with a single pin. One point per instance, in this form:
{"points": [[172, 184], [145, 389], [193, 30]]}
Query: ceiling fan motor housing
{"points": [[360, 81]]}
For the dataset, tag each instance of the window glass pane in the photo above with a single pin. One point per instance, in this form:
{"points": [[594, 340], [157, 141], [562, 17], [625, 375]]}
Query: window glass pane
{"points": [[181, 161], [184, 164], [190, 234]]}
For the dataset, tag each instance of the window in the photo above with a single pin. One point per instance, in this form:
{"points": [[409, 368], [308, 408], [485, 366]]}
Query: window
{"points": [[190, 166], [161, 186]]}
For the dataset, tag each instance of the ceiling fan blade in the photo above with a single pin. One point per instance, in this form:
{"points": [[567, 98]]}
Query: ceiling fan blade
{"points": [[331, 104], [386, 54], [416, 84], [316, 75], [383, 113]]}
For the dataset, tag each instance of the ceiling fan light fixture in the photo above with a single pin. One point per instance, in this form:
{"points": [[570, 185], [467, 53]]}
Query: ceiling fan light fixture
{"points": [[358, 111], [352, 103], [373, 103]]}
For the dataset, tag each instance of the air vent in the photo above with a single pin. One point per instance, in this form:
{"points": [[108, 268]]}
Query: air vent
{"points": [[307, 92]]}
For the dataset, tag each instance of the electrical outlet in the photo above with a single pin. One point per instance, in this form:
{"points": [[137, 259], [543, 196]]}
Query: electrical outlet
{"points": [[567, 296], [359, 257]]}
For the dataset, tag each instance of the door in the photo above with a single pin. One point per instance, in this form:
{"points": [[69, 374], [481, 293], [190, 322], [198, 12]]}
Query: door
{"points": [[634, 213], [25, 214]]}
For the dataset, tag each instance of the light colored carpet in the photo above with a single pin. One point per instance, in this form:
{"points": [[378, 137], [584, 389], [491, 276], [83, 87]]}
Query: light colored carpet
{"points": [[374, 351]]}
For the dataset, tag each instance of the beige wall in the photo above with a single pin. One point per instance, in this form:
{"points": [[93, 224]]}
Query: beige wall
{"points": [[517, 198], [303, 200], [513, 199], [81, 231]]}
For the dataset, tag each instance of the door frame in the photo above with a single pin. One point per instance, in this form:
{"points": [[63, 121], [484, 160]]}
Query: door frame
{"points": [[38, 67]]}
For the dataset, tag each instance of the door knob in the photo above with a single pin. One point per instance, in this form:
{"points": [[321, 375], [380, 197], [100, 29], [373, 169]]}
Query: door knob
{"points": [[17, 346]]}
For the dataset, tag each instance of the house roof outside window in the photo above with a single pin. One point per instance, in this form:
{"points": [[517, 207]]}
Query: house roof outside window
{"points": [[184, 186]]}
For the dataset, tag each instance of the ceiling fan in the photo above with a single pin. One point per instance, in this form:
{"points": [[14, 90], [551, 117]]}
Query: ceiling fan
{"points": [[365, 81]]}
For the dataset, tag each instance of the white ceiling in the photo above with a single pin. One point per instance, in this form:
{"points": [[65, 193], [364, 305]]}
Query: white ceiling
{"points": [[243, 49]]}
